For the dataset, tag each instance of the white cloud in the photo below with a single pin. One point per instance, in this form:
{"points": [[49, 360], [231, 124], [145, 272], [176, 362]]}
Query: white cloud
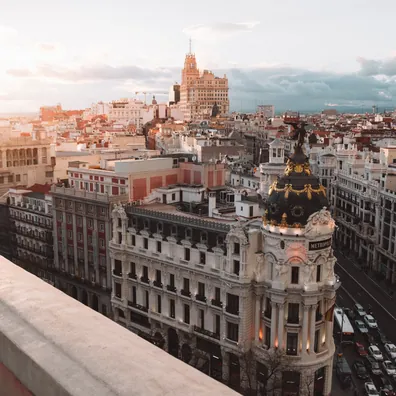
{"points": [[218, 30]]}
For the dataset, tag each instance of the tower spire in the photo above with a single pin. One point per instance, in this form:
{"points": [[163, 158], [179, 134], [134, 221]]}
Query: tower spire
{"points": [[190, 51]]}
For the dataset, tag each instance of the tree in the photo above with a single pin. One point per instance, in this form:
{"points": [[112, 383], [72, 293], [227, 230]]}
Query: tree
{"points": [[308, 379], [275, 361]]}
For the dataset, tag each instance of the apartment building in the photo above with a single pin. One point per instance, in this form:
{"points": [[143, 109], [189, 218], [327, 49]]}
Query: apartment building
{"points": [[127, 111], [212, 290], [30, 213], [200, 92], [24, 161]]}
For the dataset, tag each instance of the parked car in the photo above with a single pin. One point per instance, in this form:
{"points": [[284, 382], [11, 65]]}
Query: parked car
{"points": [[370, 322], [360, 370], [359, 310], [372, 366], [390, 350], [370, 338], [351, 314], [361, 327], [375, 352], [381, 382], [389, 367], [380, 337], [343, 372], [370, 389], [360, 349]]}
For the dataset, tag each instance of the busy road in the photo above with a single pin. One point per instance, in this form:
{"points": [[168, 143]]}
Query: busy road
{"points": [[358, 288]]}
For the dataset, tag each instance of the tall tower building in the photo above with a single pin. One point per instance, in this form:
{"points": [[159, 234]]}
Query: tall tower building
{"points": [[199, 92]]}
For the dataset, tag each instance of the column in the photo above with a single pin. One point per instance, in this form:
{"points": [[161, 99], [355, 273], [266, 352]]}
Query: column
{"points": [[257, 321], [273, 324], [124, 231], [305, 325], [281, 329], [312, 329]]}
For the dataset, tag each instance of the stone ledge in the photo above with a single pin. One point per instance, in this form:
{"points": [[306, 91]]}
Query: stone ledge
{"points": [[55, 345]]}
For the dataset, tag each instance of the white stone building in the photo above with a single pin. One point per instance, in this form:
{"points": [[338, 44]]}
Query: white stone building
{"points": [[227, 296], [127, 111]]}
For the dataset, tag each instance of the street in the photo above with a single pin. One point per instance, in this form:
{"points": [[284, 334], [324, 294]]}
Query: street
{"points": [[357, 287]]}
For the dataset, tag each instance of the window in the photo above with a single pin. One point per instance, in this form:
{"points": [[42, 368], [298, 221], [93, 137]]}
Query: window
{"points": [[187, 254], [145, 272], [236, 267], [232, 304], [293, 313], [318, 273], [295, 275], [188, 233], [133, 240], [117, 267], [217, 325], [291, 346], [102, 243], [89, 239], [90, 223], [172, 308], [101, 227], [267, 335], [145, 243], [186, 313], [172, 280], [18, 178], [232, 331], [316, 343], [173, 197], [118, 290], [133, 268], [217, 294], [186, 284], [204, 237], [146, 299], [134, 294], [159, 306], [158, 276], [201, 318], [237, 248], [159, 246], [79, 237], [69, 219], [202, 257], [201, 289], [69, 234]]}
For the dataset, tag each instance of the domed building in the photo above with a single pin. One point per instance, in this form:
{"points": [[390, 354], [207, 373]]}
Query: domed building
{"points": [[296, 286]]}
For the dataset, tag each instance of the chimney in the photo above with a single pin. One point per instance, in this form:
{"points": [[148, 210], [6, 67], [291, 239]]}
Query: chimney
{"points": [[212, 203]]}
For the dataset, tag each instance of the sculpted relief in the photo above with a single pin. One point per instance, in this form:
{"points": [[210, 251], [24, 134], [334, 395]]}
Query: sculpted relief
{"points": [[319, 223]]}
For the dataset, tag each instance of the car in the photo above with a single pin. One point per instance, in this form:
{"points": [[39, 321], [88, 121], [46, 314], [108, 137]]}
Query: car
{"points": [[372, 366], [360, 349], [389, 367], [370, 322], [370, 389], [370, 338], [359, 310], [375, 352], [380, 337], [351, 314], [361, 327], [381, 382], [390, 350], [360, 370]]}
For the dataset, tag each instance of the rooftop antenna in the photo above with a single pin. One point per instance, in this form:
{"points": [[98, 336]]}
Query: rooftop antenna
{"points": [[190, 46]]}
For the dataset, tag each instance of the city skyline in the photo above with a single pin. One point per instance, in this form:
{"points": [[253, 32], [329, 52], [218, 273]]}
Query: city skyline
{"points": [[292, 56]]}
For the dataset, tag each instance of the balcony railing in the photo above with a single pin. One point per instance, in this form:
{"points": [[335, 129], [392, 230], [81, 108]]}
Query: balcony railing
{"points": [[145, 280], [132, 275], [171, 288], [293, 320], [217, 303], [185, 293], [117, 273], [157, 283], [201, 298], [137, 306], [208, 333], [232, 310]]}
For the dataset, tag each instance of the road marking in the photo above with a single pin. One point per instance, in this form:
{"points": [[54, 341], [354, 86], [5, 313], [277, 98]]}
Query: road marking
{"points": [[348, 294], [365, 291]]}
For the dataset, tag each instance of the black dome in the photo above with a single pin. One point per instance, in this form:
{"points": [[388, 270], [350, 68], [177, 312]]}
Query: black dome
{"points": [[296, 195]]}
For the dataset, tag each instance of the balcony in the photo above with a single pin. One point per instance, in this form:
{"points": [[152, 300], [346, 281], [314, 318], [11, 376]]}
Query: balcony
{"points": [[171, 288], [137, 306], [232, 310], [185, 293], [294, 320], [158, 284], [132, 275], [201, 298], [268, 313], [144, 279], [207, 333], [318, 317], [117, 273], [217, 303]]}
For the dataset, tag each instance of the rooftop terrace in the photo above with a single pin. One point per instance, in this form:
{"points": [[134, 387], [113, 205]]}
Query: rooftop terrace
{"points": [[55, 345]]}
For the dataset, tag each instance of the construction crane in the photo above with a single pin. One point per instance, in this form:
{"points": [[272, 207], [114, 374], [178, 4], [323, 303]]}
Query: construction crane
{"points": [[145, 95]]}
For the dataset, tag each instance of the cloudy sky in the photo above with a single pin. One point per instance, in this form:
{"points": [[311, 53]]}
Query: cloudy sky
{"points": [[296, 54]]}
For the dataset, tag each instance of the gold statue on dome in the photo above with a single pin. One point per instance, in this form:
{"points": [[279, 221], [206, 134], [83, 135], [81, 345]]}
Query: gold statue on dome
{"points": [[284, 220]]}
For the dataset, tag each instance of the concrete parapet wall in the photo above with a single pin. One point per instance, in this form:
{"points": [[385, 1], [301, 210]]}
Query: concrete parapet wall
{"points": [[56, 346]]}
